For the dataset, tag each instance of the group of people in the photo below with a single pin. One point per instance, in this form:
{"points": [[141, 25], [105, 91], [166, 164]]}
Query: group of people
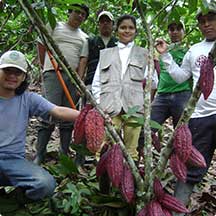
{"points": [[114, 70]]}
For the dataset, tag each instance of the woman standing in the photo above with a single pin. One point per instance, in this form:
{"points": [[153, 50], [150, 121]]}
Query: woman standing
{"points": [[117, 84]]}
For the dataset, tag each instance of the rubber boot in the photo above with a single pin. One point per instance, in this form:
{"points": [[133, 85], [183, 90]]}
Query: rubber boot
{"points": [[44, 135], [65, 139], [182, 192]]}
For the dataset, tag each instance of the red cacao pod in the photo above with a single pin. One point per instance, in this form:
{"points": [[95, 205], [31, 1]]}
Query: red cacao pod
{"points": [[143, 212], [183, 142], [158, 189], [102, 163], [157, 66], [155, 209], [115, 165], [196, 158], [127, 185], [94, 130], [178, 167], [79, 125], [171, 203], [156, 142], [206, 80], [166, 212]]}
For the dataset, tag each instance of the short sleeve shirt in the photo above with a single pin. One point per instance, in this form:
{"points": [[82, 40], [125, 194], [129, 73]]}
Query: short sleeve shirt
{"points": [[14, 117]]}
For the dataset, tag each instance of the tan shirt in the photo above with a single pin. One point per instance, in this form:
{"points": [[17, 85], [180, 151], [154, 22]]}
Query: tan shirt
{"points": [[70, 41]]}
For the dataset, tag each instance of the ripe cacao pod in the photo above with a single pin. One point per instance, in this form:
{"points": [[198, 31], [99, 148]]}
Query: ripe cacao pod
{"points": [[79, 125], [143, 212], [115, 165], [127, 185], [166, 212], [196, 158], [178, 167], [155, 209], [158, 189], [206, 80], [156, 142], [157, 66], [94, 130], [102, 163], [171, 203], [183, 142]]}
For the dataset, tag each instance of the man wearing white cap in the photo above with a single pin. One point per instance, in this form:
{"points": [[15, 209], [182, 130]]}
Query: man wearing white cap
{"points": [[16, 107], [104, 40]]}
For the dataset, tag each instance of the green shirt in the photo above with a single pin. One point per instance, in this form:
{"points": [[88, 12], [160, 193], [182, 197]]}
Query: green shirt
{"points": [[166, 82]]}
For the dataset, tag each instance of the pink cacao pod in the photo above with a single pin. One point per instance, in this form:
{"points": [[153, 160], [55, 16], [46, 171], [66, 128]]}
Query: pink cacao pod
{"points": [[206, 80], [143, 212], [102, 163], [178, 167], [155, 209], [79, 125], [158, 189], [115, 165], [94, 130], [127, 185], [196, 158], [171, 203], [166, 212], [183, 142]]}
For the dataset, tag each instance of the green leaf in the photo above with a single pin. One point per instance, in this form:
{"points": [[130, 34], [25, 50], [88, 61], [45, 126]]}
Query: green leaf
{"points": [[51, 18], [67, 165], [155, 125]]}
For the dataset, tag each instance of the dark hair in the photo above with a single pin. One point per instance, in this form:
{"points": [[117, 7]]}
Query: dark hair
{"points": [[23, 86], [124, 17], [82, 6]]}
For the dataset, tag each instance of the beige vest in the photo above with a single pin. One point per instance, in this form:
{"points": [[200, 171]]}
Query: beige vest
{"points": [[119, 94]]}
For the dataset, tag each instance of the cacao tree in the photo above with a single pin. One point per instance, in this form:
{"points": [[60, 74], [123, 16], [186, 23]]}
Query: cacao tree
{"points": [[152, 18]]}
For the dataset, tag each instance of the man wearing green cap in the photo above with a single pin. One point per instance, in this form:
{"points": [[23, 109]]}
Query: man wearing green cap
{"points": [[202, 123], [16, 107], [171, 96]]}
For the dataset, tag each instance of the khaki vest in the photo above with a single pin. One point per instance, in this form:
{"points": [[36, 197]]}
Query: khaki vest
{"points": [[119, 94]]}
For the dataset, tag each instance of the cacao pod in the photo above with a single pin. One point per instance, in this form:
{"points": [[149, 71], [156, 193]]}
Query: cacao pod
{"points": [[115, 165], [94, 130], [183, 142], [171, 203], [79, 125], [155, 209], [101, 166], [158, 189], [127, 185], [166, 212], [206, 79], [178, 167], [196, 159], [156, 142], [157, 66], [143, 212]]}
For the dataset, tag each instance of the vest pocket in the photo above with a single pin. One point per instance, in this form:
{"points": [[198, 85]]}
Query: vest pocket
{"points": [[136, 73], [104, 75]]}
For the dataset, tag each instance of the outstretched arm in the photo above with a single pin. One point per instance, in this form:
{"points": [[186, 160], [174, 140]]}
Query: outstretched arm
{"points": [[64, 113]]}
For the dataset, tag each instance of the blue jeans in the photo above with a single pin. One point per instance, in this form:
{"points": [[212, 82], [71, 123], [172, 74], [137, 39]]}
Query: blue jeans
{"points": [[169, 105], [204, 139], [19, 172]]}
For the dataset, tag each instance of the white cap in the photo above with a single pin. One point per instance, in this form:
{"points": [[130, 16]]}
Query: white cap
{"points": [[105, 13], [14, 59]]}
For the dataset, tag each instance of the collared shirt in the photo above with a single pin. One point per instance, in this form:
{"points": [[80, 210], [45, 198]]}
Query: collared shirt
{"points": [[124, 53]]}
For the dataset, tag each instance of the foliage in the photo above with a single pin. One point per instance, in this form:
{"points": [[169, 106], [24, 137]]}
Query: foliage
{"points": [[75, 194]]}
